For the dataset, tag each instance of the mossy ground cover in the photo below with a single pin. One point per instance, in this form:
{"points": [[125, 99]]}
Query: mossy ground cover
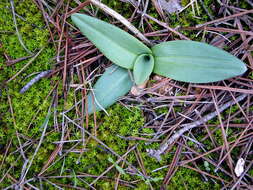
{"points": [[76, 159]]}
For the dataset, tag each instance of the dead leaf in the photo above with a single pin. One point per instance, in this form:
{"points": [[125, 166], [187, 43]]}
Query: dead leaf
{"points": [[136, 90]]}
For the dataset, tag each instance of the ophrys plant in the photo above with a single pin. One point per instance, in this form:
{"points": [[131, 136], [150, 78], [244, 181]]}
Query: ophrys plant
{"points": [[181, 60]]}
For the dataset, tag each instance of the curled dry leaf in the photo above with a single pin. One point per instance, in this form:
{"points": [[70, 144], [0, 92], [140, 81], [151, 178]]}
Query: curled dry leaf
{"points": [[137, 89]]}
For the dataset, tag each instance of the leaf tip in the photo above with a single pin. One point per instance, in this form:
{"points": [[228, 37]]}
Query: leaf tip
{"points": [[74, 16], [243, 68]]}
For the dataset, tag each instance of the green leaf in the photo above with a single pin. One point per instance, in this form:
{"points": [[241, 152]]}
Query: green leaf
{"points": [[195, 62], [115, 82], [117, 45], [143, 67]]}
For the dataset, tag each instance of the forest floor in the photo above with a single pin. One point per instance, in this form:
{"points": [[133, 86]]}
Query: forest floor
{"points": [[48, 142]]}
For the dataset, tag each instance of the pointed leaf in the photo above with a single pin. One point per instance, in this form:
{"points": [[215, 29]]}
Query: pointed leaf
{"points": [[115, 82], [195, 62], [117, 45], [143, 67]]}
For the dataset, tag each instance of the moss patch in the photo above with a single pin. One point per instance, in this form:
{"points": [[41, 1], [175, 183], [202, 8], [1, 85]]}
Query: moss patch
{"points": [[30, 108]]}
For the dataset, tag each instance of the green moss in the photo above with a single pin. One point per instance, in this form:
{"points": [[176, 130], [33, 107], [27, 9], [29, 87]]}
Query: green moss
{"points": [[162, 110], [251, 172], [185, 178], [25, 106]]}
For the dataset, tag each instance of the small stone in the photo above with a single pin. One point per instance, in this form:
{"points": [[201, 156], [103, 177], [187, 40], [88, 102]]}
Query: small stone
{"points": [[239, 168]]}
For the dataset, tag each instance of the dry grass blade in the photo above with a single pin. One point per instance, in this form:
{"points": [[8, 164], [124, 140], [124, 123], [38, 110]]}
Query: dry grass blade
{"points": [[158, 8]]}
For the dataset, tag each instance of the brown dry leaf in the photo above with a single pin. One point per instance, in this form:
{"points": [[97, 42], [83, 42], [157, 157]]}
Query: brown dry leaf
{"points": [[136, 90]]}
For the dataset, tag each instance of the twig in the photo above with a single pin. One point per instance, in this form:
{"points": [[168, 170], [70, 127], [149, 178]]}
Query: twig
{"points": [[17, 186], [112, 166], [226, 18], [14, 180], [122, 20], [243, 174], [34, 80], [81, 6], [14, 61], [186, 127], [45, 125], [219, 29], [103, 144], [29, 62], [225, 88], [199, 171], [165, 25], [54, 154], [5, 154]]}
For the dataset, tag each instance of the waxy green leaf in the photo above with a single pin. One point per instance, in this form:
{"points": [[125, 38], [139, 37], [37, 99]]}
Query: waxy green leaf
{"points": [[143, 67], [114, 83], [196, 62], [185, 61], [117, 45]]}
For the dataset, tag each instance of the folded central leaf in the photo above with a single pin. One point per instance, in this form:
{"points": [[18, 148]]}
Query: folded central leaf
{"points": [[143, 67]]}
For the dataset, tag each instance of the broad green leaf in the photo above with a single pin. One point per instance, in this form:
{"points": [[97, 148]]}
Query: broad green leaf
{"points": [[195, 62], [143, 67], [114, 82], [117, 45]]}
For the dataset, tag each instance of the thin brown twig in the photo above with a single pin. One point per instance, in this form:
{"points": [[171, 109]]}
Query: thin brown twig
{"points": [[226, 18], [121, 19], [165, 25], [186, 127], [112, 166], [219, 29], [173, 166], [223, 132], [14, 61], [29, 62], [236, 142], [224, 88]]}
